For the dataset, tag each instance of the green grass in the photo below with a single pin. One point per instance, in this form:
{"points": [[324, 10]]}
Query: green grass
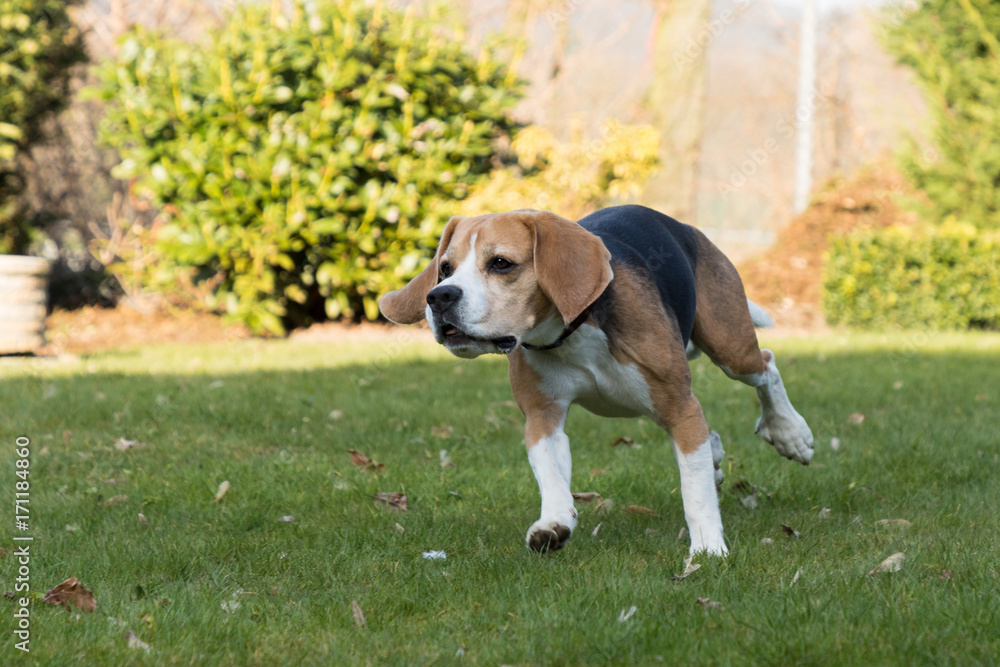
{"points": [[257, 414]]}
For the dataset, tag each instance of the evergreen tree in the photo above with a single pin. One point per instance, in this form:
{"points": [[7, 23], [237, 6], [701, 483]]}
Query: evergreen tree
{"points": [[953, 46]]}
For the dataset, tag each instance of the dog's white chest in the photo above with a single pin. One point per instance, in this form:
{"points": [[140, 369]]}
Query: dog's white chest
{"points": [[583, 371]]}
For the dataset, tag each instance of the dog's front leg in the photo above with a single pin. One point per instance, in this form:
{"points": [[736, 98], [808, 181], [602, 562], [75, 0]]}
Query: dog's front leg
{"points": [[548, 453]]}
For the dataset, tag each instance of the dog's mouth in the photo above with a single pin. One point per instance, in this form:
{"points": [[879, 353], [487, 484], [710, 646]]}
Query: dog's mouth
{"points": [[452, 335]]}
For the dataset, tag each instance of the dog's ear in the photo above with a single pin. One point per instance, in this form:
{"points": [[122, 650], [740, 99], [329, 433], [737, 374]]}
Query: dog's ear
{"points": [[572, 265], [407, 305]]}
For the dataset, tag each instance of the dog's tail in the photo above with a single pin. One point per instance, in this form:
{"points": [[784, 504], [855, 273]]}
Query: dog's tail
{"points": [[760, 318]]}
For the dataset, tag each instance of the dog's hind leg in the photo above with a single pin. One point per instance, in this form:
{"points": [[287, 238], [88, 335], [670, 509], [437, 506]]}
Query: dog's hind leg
{"points": [[724, 330]]}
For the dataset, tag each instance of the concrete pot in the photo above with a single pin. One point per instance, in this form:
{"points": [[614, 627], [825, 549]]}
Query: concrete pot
{"points": [[23, 291]]}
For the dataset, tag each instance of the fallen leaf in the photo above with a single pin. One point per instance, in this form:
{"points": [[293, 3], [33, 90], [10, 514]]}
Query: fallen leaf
{"points": [[365, 463], [689, 569], [750, 502], [626, 614], [604, 506], [767, 540], [230, 605], [123, 445], [72, 527], [946, 574], [400, 529], [682, 534], [115, 500], [587, 496], [856, 418], [893, 563], [71, 593], [445, 458], [824, 513], [627, 441], [834, 444], [392, 500], [639, 509], [461, 651], [336, 414], [709, 604], [223, 489], [594, 472], [359, 616], [597, 528], [798, 573], [143, 521], [895, 523], [791, 532], [434, 555], [135, 642], [288, 518], [442, 432]]}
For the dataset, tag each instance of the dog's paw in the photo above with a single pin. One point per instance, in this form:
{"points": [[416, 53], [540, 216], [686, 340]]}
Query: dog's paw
{"points": [[713, 546], [550, 534], [717, 456], [789, 433]]}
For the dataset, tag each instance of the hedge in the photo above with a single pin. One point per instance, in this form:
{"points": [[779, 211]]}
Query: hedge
{"points": [[304, 163], [940, 278]]}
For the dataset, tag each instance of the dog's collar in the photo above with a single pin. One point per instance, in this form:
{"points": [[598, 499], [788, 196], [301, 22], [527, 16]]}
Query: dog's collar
{"points": [[573, 326]]}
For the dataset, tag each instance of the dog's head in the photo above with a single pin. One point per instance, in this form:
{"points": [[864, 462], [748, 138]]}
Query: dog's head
{"points": [[502, 279]]}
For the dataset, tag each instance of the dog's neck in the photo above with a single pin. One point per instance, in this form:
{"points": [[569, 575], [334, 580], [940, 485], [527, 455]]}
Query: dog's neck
{"points": [[549, 331]]}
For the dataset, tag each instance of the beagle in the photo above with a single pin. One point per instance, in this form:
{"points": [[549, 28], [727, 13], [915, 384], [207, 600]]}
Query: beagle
{"points": [[604, 313]]}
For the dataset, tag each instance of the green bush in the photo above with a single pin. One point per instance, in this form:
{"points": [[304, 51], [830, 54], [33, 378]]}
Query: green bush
{"points": [[305, 164], [943, 278], [38, 47]]}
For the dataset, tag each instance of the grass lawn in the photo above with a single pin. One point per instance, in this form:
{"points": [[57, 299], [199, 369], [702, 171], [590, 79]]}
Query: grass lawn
{"points": [[228, 582]]}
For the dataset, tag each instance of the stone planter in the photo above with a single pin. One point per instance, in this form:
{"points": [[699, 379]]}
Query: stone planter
{"points": [[23, 291]]}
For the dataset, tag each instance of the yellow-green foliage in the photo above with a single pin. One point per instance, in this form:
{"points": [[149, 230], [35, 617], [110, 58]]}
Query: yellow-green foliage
{"points": [[305, 164], [38, 46], [574, 178], [942, 278]]}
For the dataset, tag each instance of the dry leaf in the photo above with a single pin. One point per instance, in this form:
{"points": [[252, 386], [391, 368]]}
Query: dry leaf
{"points": [[767, 540], [393, 500], [627, 441], [750, 502], [359, 616], [682, 534], [400, 529], [596, 528], [824, 513], [895, 523], [123, 445], [639, 509], [798, 573], [223, 489], [143, 521], [594, 472], [288, 518], [442, 432], [834, 444], [115, 500], [604, 505], [71, 593], [445, 458], [689, 569], [946, 574], [791, 532], [856, 418], [893, 563], [587, 496], [626, 614], [709, 604], [336, 414], [135, 642], [434, 555], [365, 463]]}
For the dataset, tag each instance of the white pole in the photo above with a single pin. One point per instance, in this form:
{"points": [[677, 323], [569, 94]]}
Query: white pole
{"points": [[805, 107]]}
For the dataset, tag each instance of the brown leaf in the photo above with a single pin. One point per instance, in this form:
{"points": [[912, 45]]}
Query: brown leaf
{"points": [[442, 432], [624, 440], [587, 496], [894, 523], [689, 569], [893, 563], [594, 472], [946, 574], [71, 593], [708, 603], [115, 500], [143, 521], [365, 463], [359, 616], [791, 532], [856, 418], [445, 459], [639, 509], [123, 445], [392, 500]]}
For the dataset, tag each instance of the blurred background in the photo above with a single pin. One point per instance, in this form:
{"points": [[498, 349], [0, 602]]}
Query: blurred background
{"points": [[282, 164]]}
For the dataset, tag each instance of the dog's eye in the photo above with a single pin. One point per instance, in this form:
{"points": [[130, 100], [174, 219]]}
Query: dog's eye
{"points": [[501, 264], [445, 269]]}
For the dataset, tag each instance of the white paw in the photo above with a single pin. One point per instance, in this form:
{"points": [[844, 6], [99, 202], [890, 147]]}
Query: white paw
{"points": [[717, 456], [551, 533], [713, 544], [789, 433]]}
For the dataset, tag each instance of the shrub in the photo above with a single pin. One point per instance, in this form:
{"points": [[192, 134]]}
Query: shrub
{"points": [[38, 47], [944, 278], [304, 164]]}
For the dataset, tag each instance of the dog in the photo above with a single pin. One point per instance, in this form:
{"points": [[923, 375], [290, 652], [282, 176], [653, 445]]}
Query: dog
{"points": [[604, 313]]}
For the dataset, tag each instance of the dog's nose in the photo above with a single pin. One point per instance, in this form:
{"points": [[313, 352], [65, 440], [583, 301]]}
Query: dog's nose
{"points": [[442, 297]]}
